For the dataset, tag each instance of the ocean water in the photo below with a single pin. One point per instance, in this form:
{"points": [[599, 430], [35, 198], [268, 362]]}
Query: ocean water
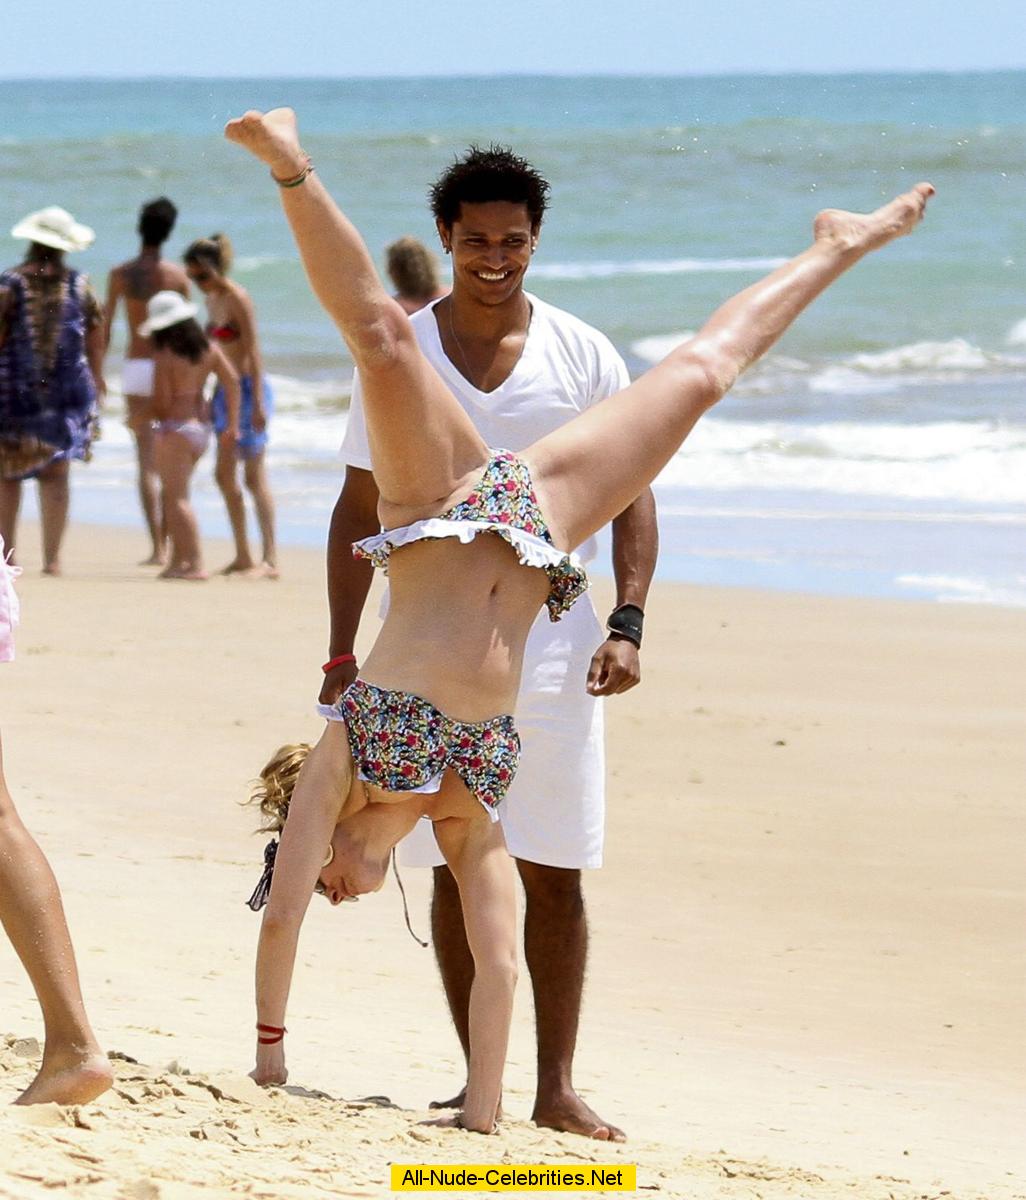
{"points": [[881, 448]]}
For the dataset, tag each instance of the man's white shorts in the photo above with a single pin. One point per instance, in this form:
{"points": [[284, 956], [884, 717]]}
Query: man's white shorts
{"points": [[137, 377], [554, 814]]}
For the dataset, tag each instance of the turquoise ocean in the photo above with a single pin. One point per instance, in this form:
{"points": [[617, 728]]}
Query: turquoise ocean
{"points": [[880, 450]]}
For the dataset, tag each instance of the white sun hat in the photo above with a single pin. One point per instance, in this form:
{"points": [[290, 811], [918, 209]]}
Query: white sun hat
{"points": [[54, 227], [166, 309]]}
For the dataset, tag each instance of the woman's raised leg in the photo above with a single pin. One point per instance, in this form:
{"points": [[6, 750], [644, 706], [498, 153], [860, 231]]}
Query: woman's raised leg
{"points": [[592, 468], [423, 445]]}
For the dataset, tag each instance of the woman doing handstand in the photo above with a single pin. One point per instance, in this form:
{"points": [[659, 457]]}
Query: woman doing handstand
{"points": [[425, 730]]}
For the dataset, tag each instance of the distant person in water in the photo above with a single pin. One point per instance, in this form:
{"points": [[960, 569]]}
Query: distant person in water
{"points": [[134, 282], [232, 326], [413, 270], [74, 1069], [184, 358], [51, 378]]}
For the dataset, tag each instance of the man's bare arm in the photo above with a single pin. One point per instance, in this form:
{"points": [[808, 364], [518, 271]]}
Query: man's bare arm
{"points": [[616, 665], [355, 516]]}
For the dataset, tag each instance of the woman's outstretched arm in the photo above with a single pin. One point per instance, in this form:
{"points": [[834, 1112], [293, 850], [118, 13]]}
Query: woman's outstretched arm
{"points": [[477, 856], [337, 262], [316, 802]]}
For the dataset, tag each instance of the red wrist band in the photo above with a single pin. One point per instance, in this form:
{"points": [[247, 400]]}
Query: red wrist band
{"points": [[270, 1035], [337, 661]]}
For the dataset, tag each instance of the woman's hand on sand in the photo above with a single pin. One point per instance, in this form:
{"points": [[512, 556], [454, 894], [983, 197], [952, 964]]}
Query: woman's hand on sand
{"points": [[270, 1065], [269, 1078], [272, 137]]}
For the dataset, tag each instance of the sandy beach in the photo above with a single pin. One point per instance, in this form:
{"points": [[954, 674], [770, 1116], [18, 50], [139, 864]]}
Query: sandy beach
{"points": [[807, 962]]}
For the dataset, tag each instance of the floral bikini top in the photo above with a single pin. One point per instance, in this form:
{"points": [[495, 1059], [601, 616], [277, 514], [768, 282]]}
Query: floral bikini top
{"points": [[502, 503]]}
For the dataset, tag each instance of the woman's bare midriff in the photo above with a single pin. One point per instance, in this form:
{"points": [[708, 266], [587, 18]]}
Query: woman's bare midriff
{"points": [[458, 619]]}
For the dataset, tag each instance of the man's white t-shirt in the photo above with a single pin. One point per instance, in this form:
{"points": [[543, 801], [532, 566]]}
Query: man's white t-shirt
{"points": [[554, 813]]}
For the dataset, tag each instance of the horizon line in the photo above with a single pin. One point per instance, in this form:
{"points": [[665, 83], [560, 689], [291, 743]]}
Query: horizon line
{"points": [[764, 73]]}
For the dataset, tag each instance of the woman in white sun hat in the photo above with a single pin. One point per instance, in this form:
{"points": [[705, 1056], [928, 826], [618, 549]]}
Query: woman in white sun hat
{"points": [[184, 357], [51, 351]]}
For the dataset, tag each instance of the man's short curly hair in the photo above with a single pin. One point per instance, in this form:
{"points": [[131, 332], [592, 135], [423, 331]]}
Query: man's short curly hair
{"points": [[482, 176]]}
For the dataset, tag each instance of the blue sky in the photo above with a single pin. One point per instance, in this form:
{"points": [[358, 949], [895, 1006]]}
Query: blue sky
{"points": [[119, 38]]}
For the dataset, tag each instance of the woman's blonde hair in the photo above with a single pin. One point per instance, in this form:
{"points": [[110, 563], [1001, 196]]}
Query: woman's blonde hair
{"points": [[214, 251], [412, 268], [272, 792]]}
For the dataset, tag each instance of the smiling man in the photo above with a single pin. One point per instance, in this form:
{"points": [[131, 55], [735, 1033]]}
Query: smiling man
{"points": [[520, 368]]}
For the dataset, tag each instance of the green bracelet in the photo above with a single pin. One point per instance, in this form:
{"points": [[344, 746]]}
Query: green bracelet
{"points": [[296, 180]]}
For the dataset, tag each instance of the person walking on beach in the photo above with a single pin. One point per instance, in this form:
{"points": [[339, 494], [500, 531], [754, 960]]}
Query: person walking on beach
{"points": [[413, 269], [232, 325], [74, 1069], [134, 282], [51, 378], [520, 368], [476, 540], [184, 358]]}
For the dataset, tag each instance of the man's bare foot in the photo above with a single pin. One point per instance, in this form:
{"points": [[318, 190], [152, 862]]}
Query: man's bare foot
{"points": [[53, 569], [569, 1114], [455, 1102], [862, 232], [156, 559], [74, 1080], [272, 137], [268, 571]]}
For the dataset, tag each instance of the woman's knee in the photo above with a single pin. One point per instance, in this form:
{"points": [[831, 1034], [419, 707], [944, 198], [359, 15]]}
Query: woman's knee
{"points": [[705, 373]]}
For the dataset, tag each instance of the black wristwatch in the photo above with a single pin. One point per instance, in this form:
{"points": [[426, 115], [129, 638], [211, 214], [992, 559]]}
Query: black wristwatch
{"points": [[627, 621]]}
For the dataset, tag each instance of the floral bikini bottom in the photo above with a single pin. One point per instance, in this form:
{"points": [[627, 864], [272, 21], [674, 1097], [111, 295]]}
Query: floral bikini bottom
{"points": [[402, 743]]}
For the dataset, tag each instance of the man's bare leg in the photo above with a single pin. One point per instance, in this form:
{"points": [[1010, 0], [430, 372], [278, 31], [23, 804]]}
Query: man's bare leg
{"points": [[74, 1069], [148, 480], [556, 949]]}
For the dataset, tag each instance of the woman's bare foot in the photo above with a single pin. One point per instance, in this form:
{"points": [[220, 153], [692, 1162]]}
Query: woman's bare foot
{"points": [[239, 566], [156, 559], [862, 232], [272, 137], [193, 574], [53, 569], [457, 1122], [70, 1079], [569, 1114]]}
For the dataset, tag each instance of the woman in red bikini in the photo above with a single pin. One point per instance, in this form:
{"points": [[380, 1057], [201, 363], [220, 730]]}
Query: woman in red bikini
{"points": [[232, 327], [476, 541]]}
